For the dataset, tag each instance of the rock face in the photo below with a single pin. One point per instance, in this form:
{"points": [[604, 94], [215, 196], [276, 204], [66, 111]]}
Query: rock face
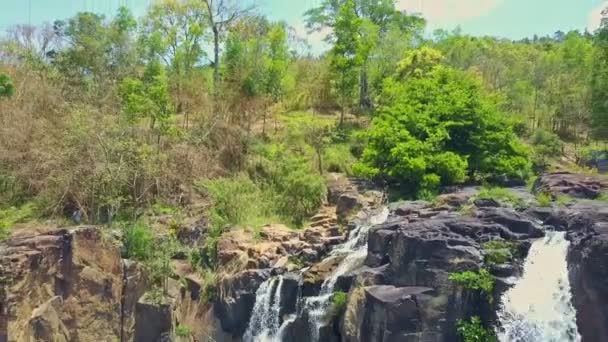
{"points": [[571, 184], [587, 226], [66, 282]]}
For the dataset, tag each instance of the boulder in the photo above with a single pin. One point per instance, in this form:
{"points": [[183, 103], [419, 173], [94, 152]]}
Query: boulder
{"points": [[572, 184], [153, 320], [78, 265], [237, 299]]}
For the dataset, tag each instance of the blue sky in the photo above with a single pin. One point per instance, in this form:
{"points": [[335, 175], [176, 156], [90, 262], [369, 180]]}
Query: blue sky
{"points": [[506, 18]]}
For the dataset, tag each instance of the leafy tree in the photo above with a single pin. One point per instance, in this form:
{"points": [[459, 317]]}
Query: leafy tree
{"points": [[436, 127], [599, 86], [175, 31], [148, 98], [345, 58], [221, 15]]}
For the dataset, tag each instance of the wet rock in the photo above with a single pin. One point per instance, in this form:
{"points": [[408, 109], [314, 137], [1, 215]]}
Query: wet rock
{"points": [[389, 313], [236, 300], [289, 294], [588, 265], [516, 222], [572, 184], [314, 277], [486, 203]]}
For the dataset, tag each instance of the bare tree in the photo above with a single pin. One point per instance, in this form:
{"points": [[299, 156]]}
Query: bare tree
{"points": [[222, 14]]}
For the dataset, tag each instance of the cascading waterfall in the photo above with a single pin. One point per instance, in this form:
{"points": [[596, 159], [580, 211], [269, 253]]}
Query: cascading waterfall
{"points": [[539, 306], [265, 324], [265, 321], [355, 249]]}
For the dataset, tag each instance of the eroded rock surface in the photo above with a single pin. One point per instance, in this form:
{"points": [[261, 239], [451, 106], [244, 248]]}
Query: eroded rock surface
{"points": [[572, 184]]}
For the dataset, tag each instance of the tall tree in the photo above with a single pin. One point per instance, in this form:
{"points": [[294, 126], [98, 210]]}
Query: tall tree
{"points": [[345, 57], [599, 86], [221, 14]]}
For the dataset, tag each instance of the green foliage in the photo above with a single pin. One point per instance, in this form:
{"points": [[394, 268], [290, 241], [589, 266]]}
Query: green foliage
{"points": [[338, 304], [563, 200], [434, 120], [546, 145], [500, 194], [602, 197], [138, 241], [13, 215], [338, 158], [544, 199], [474, 331], [235, 201], [345, 56], [183, 331], [481, 280], [498, 251], [7, 88]]}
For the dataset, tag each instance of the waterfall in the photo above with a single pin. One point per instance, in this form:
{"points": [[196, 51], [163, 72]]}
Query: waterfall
{"points": [[539, 306], [355, 249], [265, 322]]}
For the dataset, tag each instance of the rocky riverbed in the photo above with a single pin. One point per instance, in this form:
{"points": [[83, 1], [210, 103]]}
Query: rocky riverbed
{"points": [[71, 284]]}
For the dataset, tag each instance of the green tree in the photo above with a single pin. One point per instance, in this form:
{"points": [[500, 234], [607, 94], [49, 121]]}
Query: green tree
{"points": [[277, 65], [599, 86], [435, 126], [175, 32], [345, 57], [148, 98]]}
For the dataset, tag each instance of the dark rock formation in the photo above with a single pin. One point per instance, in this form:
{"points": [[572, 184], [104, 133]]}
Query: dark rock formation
{"points": [[571, 184], [236, 300]]}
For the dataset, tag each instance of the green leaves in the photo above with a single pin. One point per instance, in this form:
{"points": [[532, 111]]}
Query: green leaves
{"points": [[7, 88], [434, 120]]}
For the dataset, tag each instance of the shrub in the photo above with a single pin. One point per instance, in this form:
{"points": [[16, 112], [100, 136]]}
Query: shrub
{"points": [[498, 251], [235, 200], [138, 241], [546, 145], [602, 197], [563, 200], [474, 331], [13, 215], [338, 158], [544, 199], [183, 331], [438, 121], [338, 304], [481, 280]]}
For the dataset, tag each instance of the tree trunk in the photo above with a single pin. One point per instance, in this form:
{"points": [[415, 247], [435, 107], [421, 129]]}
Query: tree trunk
{"points": [[216, 58], [364, 100]]}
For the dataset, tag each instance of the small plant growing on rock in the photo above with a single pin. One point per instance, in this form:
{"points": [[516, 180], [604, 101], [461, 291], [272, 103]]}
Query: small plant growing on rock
{"points": [[183, 331], [338, 304], [544, 199], [563, 200], [473, 331], [481, 280], [138, 241], [498, 252]]}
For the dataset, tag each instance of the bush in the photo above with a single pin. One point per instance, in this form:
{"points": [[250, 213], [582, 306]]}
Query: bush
{"points": [[474, 331], [138, 241], [436, 120], [544, 199], [338, 304], [183, 331], [338, 158], [481, 280], [546, 145], [13, 215], [498, 252]]}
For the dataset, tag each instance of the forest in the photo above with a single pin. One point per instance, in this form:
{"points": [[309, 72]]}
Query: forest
{"points": [[205, 108]]}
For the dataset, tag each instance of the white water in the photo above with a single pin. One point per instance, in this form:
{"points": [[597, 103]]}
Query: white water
{"points": [[539, 307], [265, 322], [355, 249]]}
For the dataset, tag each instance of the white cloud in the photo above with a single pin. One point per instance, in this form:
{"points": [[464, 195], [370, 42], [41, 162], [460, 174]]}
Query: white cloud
{"points": [[315, 38], [440, 12], [595, 17]]}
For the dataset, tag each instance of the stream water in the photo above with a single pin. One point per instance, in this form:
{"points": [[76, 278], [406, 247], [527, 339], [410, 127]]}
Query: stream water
{"points": [[539, 307], [265, 324]]}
